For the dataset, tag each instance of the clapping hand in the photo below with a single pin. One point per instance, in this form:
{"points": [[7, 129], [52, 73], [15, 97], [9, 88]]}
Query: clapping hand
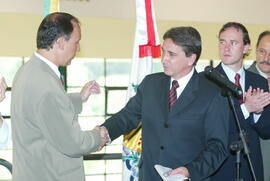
{"points": [[256, 100]]}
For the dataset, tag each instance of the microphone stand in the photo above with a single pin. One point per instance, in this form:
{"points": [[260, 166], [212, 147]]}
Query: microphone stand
{"points": [[242, 144]]}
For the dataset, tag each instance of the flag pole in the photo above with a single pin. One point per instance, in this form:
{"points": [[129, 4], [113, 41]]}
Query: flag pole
{"points": [[146, 47]]}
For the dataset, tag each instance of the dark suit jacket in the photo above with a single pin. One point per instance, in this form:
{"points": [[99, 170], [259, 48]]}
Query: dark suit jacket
{"points": [[265, 144], [194, 134], [253, 68], [254, 131]]}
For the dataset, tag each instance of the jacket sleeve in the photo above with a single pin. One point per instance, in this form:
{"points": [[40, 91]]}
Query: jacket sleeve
{"points": [[58, 115], [262, 126], [128, 118]]}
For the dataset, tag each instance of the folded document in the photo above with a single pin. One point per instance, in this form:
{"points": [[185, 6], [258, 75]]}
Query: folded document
{"points": [[164, 173]]}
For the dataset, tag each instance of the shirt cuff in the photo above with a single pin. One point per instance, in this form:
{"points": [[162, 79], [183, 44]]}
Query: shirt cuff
{"points": [[244, 111], [256, 117]]}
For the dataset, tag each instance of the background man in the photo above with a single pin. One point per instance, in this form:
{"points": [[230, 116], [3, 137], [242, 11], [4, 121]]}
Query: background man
{"points": [[48, 141], [262, 67], [252, 109], [184, 117]]}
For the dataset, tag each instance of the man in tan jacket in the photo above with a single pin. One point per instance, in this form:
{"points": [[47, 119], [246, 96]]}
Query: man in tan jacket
{"points": [[48, 142], [262, 67]]}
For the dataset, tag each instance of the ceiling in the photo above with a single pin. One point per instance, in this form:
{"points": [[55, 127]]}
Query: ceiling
{"points": [[244, 11]]}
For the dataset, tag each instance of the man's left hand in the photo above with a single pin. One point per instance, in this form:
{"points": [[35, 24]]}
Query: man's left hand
{"points": [[89, 88], [180, 170]]}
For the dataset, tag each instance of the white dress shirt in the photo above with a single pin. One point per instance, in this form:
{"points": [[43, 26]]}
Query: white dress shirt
{"points": [[49, 63], [182, 82], [231, 74]]}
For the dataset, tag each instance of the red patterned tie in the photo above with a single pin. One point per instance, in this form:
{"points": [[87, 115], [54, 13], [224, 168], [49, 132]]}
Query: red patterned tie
{"points": [[173, 95], [62, 79], [237, 82]]}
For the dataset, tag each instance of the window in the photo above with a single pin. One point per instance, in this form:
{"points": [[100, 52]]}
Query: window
{"points": [[113, 76], [9, 67]]}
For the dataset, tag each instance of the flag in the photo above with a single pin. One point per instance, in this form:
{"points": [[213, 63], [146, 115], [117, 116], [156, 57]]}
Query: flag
{"points": [[146, 47], [50, 6]]}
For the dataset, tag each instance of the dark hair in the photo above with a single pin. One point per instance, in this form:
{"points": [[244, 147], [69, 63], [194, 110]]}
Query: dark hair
{"points": [[188, 38], [237, 26], [263, 34], [52, 27]]}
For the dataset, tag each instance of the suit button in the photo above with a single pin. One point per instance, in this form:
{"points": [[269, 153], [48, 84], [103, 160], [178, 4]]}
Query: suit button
{"points": [[166, 125], [162, 147]]}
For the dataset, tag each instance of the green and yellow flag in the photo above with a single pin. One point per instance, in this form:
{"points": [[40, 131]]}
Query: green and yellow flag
{"points": [[50, 6]]}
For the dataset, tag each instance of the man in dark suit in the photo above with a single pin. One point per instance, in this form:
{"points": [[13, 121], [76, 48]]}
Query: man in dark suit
{"points": [[188, 134], [252, 110], [262, 67]]}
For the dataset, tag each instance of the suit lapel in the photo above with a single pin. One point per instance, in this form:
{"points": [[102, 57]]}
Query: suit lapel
{"points": [[220, 70], [164, 96], [188, 94], [253, 68], [248, 80], [42, 65]]}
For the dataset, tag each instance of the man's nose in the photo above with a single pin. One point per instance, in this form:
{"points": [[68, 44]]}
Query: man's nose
{"points": [[227, 46]]}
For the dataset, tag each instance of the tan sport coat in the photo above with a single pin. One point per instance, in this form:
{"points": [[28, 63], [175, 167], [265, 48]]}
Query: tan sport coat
{"points": [[48, 142]]}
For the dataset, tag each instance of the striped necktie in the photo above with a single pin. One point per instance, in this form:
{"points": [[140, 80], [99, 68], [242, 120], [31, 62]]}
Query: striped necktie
{"points": [[62, 79], [237, 82], [173, 95]]}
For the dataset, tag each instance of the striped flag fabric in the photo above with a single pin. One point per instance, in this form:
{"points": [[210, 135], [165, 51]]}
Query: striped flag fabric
{"points": [[146, 47], [50, 6]]}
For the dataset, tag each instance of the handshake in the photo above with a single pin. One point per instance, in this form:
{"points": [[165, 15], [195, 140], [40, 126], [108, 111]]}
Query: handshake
{"points": [[105, 138]]}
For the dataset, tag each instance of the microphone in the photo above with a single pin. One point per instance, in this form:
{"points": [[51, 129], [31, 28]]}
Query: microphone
{"points": [[213, 74]]}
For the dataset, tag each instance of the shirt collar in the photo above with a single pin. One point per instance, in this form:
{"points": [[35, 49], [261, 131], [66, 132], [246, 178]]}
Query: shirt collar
{"points": [[184, 80], [49, 63], [260, 72], [231, 74]]}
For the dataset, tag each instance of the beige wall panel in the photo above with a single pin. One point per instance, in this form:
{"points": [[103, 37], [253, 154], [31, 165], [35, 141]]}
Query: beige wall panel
{"points": [[104, 37]]}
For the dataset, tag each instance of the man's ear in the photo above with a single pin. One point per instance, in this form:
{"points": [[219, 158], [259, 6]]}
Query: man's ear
{"points": [[247, 48], [60, 43], [192, 59]]}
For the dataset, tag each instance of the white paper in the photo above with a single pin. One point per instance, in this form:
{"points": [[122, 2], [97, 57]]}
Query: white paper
{"points": [[163, 172]]}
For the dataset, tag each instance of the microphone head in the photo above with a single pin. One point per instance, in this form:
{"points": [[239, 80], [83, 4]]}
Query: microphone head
{"points": [[240, 92]]}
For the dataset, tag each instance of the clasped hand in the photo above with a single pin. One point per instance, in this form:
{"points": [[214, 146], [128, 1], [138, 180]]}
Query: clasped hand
{"points": [[104, 136], [256, 100]]}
